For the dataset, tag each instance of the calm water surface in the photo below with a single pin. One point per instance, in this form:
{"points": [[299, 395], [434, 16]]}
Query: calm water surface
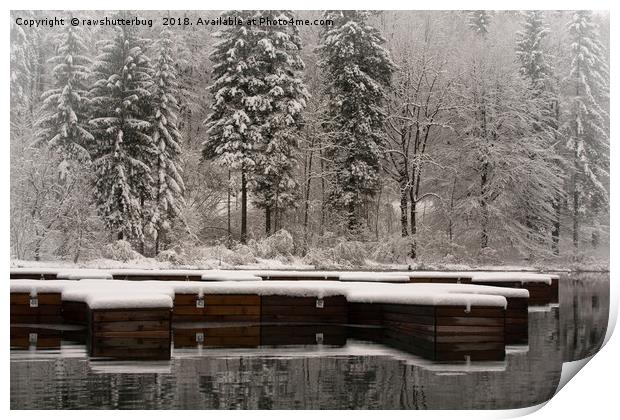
{"points": [[355, 374]]}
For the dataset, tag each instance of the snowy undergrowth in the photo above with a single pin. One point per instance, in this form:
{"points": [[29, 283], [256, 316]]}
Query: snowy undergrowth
{"points": [[280, 252]]}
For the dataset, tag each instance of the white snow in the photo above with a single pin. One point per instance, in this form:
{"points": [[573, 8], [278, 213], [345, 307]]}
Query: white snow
{"points": [[79, 274], [105, 293], [374, 277], [500, 277], [230, 276], [38, 286]]}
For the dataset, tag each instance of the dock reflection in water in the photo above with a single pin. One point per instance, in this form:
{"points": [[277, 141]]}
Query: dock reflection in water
{"points": [[312, 366]]}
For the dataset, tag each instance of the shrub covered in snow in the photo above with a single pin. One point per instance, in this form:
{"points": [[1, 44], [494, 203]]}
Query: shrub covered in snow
{"points": [[350, 252], [392, 250], [120, 251], [321, 259], [279, 244], [221, 255], [171, 256]]}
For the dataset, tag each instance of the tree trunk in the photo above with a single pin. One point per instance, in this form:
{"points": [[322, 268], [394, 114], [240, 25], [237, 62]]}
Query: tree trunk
{"points": [[484, 218], [268, 220], [557, 203], [157, 241], [244, 208], [228, 227], [575, 215], [142, 236], [414, 227], [352, 217], [308, 186], [555, 231], [404, 221]]}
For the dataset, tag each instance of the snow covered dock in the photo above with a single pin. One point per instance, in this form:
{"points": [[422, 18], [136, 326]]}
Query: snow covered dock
{"points": [[543, 288], [441, 321]]}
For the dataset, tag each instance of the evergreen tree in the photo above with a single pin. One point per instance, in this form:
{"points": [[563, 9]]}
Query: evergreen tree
{"points": [[169, 185], [124, 147], [64, 126], [357, 69], [530, 52], [588, 122], [535, 68], [278, 109], [479, 20], [233, 134]]}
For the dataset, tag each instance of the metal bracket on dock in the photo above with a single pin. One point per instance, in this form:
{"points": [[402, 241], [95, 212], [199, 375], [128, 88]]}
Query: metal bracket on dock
{"points": [[200, 337], [318, 338], [200, 302], [34, 302], [320, 303]]}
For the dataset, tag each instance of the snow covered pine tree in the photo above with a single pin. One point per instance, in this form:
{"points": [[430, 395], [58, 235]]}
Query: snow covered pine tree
{"points": [[588, 124], [64, 126], [124, 147], [232, 132], [357, 69], [169, 185], [277, 107]]}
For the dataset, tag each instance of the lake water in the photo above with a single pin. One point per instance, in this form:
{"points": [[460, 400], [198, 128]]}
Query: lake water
{"points": [[349, 373]]}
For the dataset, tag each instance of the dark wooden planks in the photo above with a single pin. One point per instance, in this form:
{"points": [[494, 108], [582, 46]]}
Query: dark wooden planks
{"points": [[516, 322], [25, 337], [130, 333], [217, 308], [130, 348], [32, 275], [156, 276], [365, 314], [447, 333], [276, 308], [47, 310], [304, 277], [218, 337], [75, 312]]}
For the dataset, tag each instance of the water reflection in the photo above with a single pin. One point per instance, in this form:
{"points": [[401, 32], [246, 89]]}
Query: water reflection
{"points": [[335, 370], [584, 312]]}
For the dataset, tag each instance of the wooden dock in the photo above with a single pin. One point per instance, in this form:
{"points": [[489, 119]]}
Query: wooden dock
{"points": [[541, 292], [443, 332]]}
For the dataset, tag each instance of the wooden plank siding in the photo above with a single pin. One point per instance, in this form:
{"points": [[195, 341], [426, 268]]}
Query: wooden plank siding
{"points": [[48, 309], [540, 293], [217, 308], [295, 309], [131, 333], [227, 337], [155, 276], [75, 312], [293, 277], [516, 324], [32, 275]]}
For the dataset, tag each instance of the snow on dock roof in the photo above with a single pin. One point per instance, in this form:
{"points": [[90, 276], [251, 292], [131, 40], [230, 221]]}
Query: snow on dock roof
{"points": [[109, 294], [81, 273], [38, 286], [104, 293], [372, 277], [499, 277], [432, 294], [230, 276]]}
